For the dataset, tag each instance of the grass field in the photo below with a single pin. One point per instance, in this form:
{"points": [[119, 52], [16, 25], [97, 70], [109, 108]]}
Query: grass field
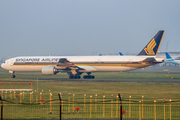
{"points": [[136, 89], [150, 90]]}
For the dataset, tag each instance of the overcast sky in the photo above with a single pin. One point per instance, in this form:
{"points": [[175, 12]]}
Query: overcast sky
{"points": [[82, 27]]}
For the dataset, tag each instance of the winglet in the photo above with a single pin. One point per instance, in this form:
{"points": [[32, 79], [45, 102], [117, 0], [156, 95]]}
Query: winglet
{"points": [[151, 49]]}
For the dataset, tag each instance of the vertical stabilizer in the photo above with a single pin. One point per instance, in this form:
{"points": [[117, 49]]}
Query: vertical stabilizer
{"points": [[168, 56], [151, 49]]}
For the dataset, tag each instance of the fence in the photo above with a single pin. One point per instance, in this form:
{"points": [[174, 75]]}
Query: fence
{"points": [[70, 108]]}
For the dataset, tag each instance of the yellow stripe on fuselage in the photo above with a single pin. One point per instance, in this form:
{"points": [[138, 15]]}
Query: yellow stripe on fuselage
{"points": [[128, 64]]}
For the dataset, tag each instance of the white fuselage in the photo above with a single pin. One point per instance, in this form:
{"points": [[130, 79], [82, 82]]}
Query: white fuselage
{"points": [[94, 63]]}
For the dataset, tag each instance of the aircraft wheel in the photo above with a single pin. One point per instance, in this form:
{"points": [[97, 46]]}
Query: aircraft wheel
{"points": [[92, 77], [13, 76], [78, 77], [85, 77], [71, 77]]}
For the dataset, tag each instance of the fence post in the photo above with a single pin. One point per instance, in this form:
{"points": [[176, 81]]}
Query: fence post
{"points": [[120, 98], [84, 102], [69, 103], [50, 104], [154, 109], [37, 97], [1, 93], [170, 108], [1, 108], [116, 106], [20, 98], [112, 106], [14, 94], [139, 110], [6, 94], [164, 110], [103, 107], [142, 106], [10, 96], [90, 105], [129, 106], [73, 102], [59, 94], [95, 102], [30, 97]]}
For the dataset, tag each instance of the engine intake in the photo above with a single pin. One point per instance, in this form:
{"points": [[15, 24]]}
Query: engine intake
{"points": [[49, 70]]}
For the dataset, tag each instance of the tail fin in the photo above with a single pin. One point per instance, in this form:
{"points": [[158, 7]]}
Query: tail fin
{"points": [[120, 53], [151, 49], [170, 59], [168, 56]]}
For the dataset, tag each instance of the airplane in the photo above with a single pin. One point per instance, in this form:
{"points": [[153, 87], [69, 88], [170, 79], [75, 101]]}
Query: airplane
{"points": [[169, 59], [74, 66]]}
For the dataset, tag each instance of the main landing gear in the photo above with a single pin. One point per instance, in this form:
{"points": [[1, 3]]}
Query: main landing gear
{"points": [[88, 77], [74, 77]]}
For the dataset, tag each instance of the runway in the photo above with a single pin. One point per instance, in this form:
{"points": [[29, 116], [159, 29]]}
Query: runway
{"points": [[101, 80]]}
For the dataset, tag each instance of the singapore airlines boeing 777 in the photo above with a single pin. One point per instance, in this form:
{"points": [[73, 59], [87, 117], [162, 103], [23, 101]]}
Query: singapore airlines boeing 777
{"points": [[74, 66]]}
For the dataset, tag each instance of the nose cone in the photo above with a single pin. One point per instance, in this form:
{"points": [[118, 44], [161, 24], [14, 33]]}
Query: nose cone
{"points": [[2, 65]]}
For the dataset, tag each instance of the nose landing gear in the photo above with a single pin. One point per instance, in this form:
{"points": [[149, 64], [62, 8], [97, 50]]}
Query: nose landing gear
{"points": [[13, 76]]}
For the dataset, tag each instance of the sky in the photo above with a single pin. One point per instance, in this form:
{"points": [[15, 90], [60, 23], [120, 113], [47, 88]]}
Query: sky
{"points": [[83, 27]]}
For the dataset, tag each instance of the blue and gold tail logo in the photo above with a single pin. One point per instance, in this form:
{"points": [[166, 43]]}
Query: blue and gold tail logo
{"points": [[152, 47]]}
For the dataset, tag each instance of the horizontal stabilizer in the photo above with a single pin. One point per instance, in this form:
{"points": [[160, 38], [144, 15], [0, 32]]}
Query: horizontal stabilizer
{"points": [[150, 60]]}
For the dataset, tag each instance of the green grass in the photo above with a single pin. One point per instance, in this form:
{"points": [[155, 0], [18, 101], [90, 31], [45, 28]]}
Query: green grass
{"points": [[151, 91]]}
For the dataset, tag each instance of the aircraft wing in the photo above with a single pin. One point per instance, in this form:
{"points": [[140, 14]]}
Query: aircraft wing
{"points": [[65, 64]]}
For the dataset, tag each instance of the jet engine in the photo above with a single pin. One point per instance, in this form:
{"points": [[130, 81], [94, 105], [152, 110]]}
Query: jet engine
{"points": [[49, 70]]}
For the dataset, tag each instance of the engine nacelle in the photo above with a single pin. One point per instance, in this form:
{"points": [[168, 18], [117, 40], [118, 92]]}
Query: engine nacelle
{"points": [[49, 70]]}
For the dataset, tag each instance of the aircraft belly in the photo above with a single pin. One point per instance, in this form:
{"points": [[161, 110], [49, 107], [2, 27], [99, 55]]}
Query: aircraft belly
{"points": [[112, 68], [26, 68]]}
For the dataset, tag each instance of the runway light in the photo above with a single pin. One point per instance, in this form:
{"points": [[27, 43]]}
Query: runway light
{"points": [[42, 100]]}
